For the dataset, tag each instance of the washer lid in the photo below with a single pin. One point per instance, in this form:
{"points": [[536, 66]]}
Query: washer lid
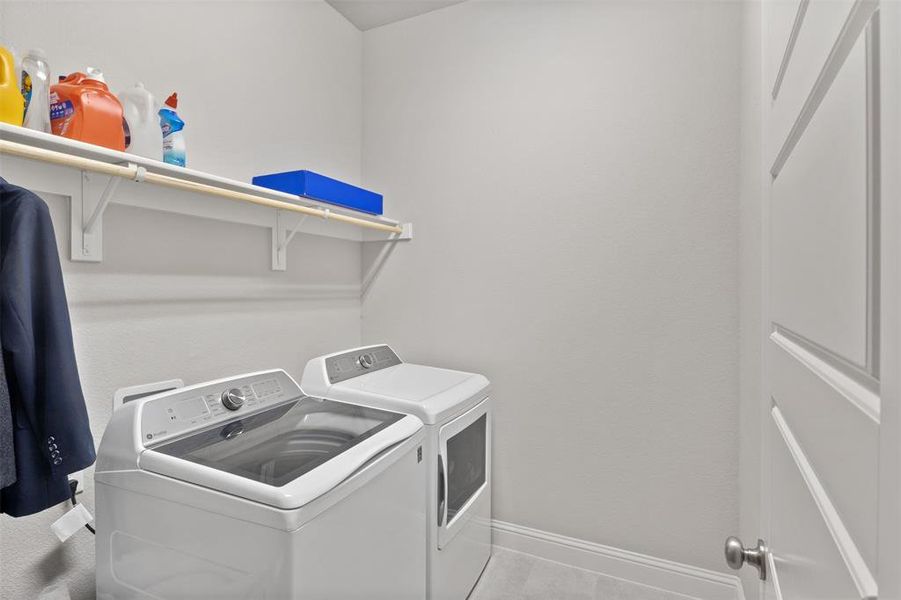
{"points": [[430, 393], [284, 456]]}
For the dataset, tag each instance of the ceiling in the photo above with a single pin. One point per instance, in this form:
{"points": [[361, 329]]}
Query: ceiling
{"points": [[366, 14]]}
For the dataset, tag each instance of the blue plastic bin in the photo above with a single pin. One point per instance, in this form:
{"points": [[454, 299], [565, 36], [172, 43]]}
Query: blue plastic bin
{"points": [[319, 187]]}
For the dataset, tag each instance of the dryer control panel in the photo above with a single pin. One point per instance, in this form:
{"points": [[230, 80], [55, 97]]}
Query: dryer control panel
{"points": [[354, 363], [194, 407]]}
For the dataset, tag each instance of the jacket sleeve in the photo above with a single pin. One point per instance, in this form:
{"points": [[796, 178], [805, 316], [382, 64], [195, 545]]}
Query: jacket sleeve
{"points": [[37, 339]]}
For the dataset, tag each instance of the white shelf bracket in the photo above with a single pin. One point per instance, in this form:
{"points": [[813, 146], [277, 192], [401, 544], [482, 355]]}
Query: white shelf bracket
{"points": [[281, 237], [379, 260], [111, 186], [87, 213], [290, 236]]}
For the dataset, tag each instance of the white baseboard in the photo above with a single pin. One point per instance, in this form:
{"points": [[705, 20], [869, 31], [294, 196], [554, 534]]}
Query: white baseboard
{"points": [[622, 564]]}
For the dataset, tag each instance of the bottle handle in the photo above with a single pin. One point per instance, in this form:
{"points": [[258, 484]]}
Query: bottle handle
{"points": [[7, 67]]}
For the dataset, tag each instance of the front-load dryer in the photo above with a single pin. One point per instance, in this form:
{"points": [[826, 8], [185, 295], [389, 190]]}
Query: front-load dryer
{"points": [[245, 488], [456, 410]]}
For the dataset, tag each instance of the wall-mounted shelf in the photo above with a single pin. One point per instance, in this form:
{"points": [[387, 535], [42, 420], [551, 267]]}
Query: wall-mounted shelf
{"points": [[93, 177]]}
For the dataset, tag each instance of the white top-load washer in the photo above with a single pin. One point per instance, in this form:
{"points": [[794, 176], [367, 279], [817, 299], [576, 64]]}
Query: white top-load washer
{"points": [[245, 488], [456, 410]]}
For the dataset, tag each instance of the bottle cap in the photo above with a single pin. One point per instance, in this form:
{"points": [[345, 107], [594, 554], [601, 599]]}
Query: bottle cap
{"points": [[172, 101], [95, 74]]}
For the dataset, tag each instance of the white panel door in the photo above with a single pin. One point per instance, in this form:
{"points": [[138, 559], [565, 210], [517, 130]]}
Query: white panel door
{"points": [[829, 300]]}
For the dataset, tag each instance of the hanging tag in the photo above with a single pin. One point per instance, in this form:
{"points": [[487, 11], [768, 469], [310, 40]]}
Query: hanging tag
{"points": [[71, 522]]}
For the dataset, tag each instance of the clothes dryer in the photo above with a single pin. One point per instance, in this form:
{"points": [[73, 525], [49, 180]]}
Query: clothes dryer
{"points": [[456, 409]]}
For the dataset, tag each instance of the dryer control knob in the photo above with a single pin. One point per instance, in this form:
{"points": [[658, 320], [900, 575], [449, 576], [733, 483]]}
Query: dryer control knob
{"points": [[232, 399], [366, 360]]}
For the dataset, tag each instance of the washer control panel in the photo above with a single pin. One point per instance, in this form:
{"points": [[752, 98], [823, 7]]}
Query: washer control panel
{"points": [[342, 367], [178, 411]]}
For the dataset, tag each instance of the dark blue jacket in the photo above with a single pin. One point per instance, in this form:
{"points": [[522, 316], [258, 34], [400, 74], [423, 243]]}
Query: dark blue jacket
{"points": [[51, 434]]}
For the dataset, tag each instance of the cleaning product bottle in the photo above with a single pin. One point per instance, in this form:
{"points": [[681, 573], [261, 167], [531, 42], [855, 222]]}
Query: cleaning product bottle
{"points": [[83, 108], [173, 136], [36, 90], [12, 104], [145, 137]]}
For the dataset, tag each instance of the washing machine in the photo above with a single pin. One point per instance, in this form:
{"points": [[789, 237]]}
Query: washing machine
{"points": [[246, 488], [456, 410]]}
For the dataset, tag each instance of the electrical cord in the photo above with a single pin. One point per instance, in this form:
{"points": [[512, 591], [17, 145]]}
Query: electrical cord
{"points": [[73, 487]]}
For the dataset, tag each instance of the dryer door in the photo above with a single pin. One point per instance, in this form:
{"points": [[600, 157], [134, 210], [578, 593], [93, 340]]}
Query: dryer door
{"points": [[464, 447]]}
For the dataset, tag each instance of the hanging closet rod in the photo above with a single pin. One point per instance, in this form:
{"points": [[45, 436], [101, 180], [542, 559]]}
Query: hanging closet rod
{"points": [[137, 173]]}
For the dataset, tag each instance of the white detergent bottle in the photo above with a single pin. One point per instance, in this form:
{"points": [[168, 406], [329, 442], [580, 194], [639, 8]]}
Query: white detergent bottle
{"points": [[144, 136], [36, 90]]}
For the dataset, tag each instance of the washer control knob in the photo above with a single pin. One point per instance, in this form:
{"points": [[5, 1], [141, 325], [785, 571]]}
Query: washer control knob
{"points": [[365, 360], [232, 399]]}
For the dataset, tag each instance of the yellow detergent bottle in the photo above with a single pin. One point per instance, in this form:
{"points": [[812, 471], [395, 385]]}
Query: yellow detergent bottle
{"points": [[12, 103]]}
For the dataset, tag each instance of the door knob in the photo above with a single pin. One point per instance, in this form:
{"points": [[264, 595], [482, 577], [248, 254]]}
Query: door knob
{"points": [[737, 555]]}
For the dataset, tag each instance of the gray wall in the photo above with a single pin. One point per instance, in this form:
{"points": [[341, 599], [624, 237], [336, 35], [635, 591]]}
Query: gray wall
{"points": [[572, 172], [266, 86]]}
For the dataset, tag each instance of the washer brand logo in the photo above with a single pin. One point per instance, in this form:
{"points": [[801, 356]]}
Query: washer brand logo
{"points": [[419, 454]]}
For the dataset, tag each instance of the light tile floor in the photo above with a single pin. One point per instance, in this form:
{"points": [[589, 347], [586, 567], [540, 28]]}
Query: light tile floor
{"points": [[516, 576]]}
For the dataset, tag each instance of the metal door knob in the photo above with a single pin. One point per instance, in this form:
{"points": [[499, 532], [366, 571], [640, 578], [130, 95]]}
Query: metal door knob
{"points": [[737, 555]]}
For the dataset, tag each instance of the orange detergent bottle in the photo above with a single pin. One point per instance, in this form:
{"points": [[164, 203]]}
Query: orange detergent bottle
{"points": [[12, 103], [82, 108]]}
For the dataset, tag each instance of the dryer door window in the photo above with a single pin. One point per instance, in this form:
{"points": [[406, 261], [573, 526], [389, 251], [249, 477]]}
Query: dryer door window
{"points": [[466, 468], [463, 470]]}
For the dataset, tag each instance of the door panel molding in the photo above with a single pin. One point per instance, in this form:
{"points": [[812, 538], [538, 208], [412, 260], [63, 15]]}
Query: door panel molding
{"points": [[849, 380], [790, 46], [857, 567], [840, 441], [874, 176], [857, 19]]}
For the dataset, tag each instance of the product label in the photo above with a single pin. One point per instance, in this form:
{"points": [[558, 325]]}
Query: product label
{"points": [[172, 155], [170, 126], [26, 88], [61, 110], [60, 116]]}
